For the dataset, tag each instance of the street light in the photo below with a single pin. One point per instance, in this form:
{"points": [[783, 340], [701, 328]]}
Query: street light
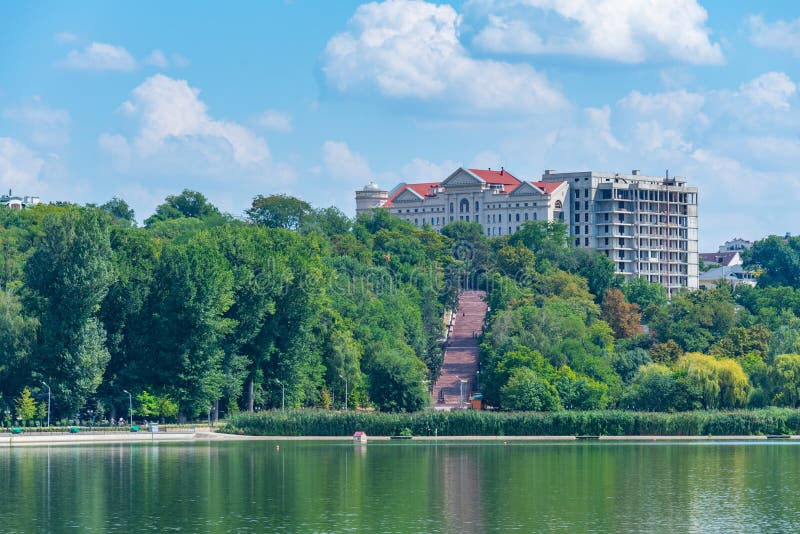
{"points": [[461, 383], [48, 402], [283, 395], [345, 391], [130, 406]]}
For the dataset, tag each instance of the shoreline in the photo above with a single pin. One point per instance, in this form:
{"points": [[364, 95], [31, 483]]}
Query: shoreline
{"points": [[205, 435]]}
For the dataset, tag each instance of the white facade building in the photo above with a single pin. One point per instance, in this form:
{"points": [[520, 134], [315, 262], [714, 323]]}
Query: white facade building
{"points": [[13, 202], [646, 225], [499, 201]]}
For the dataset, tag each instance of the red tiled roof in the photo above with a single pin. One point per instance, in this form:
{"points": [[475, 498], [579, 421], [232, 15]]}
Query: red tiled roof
{"points": [[496, 177], [547, 187], [422, 189]]}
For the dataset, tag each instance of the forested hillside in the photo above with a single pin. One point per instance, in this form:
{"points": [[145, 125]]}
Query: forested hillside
{"points": [[199, 310]]}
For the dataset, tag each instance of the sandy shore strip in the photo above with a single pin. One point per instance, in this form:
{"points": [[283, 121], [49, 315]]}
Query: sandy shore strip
{"points": [[206, 435]]}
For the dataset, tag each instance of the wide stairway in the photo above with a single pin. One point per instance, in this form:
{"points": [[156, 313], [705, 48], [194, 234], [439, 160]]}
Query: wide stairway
{"points": [[461, 353]]}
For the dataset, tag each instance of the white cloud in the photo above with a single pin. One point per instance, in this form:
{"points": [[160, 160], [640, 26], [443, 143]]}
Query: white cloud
{"points": [[680, 104], [410, 49], [772, 89], [66, 38], [277, 121], [100, 56], [618, 30], [778, 35], [156, 58], [651, 135], [172, 116], [599, 120], [44, 125], [344, 165], [423, 170], [20, 167], [180, 61]]}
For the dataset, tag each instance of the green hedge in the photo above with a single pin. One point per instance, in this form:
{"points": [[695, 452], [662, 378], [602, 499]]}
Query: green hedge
{"points": [[475, 423]]}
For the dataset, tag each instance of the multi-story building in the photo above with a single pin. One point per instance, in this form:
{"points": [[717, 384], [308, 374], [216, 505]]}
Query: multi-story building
{"points": [[496, 199], [647, 225]]}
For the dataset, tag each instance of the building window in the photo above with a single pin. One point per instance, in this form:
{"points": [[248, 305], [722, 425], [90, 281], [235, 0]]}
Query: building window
{"points": [[477, 206], [451, 210], [586, 230], [467, 218], [558, 205], [586, 241], [526, 215], [577, 193], [585, 217], [463, 206], [535, 216], [577, 217], [577, 242], [451, 218], [577, 230], [577, 206], [586, 205], [517, 217]]}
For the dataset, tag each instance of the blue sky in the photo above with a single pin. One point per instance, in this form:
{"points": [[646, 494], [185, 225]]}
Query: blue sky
{"points": [[315, 98]]}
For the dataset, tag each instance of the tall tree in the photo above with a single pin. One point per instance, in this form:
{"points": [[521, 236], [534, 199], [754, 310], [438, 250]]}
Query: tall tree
{"points": [[70, 274]]}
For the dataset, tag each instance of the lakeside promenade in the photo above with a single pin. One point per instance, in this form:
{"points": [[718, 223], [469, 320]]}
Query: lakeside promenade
{"points": [[205, 434]]}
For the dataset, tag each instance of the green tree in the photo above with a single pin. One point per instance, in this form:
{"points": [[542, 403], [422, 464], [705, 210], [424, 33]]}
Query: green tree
{"points": [[525, 390], [189, 204], [397, 381], [25, 406], [70, 274], [278, 211], [650, 296], [777, 261], [784, 379], [122, 213], [17, 338], [191, 291]]}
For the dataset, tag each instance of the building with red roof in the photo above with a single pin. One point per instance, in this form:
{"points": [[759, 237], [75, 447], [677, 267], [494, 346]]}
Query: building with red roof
{"points": [[496, 199]]}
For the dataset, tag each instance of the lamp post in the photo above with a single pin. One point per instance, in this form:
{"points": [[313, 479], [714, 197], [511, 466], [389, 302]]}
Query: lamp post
{"points": [[345, 391], [48, 402], [461, 382], [130, 406], [283, 394]]}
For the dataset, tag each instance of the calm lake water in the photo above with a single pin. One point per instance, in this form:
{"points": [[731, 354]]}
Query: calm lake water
{"points": [[402, 487]]}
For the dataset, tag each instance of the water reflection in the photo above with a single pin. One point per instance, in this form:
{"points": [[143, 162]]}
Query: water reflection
{"points": [[409, 487]]}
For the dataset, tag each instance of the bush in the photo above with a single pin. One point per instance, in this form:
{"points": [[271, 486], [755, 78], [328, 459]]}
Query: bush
{"points": [[475, 423]]}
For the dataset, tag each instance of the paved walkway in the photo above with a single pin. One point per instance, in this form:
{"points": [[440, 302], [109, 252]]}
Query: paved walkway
{"points": [[461, 352]]}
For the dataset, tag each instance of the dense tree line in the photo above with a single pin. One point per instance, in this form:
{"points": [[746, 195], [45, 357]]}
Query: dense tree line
{"points": [[569, 334], [198, 311]]}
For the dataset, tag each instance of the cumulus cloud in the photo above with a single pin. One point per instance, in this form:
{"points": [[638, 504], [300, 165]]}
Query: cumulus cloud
{"points": [[778, 35], [773, 89], [41, 123], [274, 120], [99, 57], [409, 49], [617, 30]]}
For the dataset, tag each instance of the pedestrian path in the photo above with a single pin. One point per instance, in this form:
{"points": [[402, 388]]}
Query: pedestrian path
{"points": [[460, 366]]}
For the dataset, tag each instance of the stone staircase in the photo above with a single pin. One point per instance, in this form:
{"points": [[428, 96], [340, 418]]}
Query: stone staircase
{"points": [[461, 353]]}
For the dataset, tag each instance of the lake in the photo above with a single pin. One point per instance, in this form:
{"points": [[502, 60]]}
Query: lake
{"points": [[403, 487]]}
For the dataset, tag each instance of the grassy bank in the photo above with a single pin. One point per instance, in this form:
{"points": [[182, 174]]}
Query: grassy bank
{"points": [[563, 423]]}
